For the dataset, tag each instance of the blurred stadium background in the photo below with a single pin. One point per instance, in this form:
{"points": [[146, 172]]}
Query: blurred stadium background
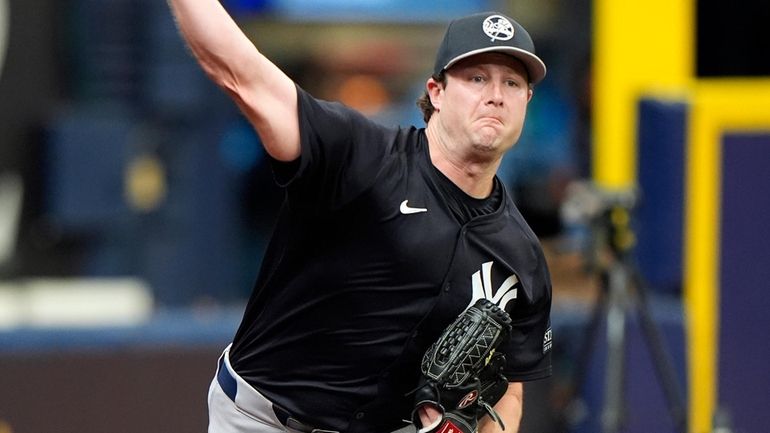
{"points": [[135, 201]]}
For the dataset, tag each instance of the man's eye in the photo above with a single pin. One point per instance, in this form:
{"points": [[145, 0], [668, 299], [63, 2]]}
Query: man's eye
{"points": [[477, 78], [511, 83]]}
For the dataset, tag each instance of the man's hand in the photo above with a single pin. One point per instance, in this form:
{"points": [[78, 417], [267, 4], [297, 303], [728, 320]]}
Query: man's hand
{"points": [[429, 414]]}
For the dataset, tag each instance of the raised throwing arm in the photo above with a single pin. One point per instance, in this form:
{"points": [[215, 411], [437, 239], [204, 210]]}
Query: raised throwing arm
{"points": [[265, 95]]}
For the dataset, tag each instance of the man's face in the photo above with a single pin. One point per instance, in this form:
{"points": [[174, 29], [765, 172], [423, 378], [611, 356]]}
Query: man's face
{"points": [[483, 104]]}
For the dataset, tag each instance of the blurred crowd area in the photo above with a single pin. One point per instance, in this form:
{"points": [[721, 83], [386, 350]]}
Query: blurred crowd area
{"points": [[133, 164]]}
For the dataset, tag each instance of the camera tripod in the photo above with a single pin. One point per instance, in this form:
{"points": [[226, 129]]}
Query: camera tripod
{"points": [[621, 289]]}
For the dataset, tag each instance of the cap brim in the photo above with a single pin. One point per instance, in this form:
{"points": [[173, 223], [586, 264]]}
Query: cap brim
{"points": [[535, 67]]}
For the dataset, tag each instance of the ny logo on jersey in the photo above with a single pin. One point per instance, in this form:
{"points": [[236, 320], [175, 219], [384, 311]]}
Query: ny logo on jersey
{"points": [[483, 288]]}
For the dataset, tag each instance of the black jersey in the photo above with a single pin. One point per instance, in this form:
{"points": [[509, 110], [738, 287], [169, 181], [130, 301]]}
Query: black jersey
{"points": [[369, 262]]}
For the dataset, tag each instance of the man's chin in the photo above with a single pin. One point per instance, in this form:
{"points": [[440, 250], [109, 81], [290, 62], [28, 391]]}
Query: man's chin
{"points": [[492, 144]]}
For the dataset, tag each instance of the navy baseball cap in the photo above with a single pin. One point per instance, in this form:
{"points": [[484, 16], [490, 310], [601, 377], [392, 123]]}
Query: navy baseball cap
{"points": [[488, 32]]}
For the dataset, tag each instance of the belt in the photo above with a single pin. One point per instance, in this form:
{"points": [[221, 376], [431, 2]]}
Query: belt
{"points": [[286, 419], [226, 380], [229, 385]]}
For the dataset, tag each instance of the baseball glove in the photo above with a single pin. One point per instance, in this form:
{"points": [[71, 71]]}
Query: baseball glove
{"points": [[461, 373]]}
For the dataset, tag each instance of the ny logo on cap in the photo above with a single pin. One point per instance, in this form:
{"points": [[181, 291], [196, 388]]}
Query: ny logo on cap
{"points": [[498, 27]]}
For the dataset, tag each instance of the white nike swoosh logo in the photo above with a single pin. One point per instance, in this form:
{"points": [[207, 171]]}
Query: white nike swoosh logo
{"points": [[406, 209]]}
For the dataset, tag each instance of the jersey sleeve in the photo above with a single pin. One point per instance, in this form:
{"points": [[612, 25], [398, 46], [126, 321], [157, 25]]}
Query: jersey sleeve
{"points": [[342, 153], [528, 352]]}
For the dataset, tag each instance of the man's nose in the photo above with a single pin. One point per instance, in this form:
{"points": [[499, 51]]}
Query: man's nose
{"points": [[495, 94]]}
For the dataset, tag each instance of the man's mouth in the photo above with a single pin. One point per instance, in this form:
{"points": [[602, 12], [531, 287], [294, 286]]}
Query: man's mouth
{"points": [[493, 119]]}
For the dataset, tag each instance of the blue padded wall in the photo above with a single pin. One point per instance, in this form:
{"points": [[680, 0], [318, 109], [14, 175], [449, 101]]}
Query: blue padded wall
{"points": [[744, 274], [659, 213]]}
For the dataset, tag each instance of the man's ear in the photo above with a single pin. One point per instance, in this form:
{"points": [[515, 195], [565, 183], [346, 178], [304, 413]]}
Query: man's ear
{"points": [[530, 93], [435, 92]]}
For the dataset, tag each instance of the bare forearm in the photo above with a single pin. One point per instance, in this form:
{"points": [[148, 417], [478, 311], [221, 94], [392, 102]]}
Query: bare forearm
{"points": [[265, 95], [214, 38], [510, 410]]}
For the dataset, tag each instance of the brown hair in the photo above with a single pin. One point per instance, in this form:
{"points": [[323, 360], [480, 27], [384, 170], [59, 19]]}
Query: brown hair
{"points": [[423, 102]]}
